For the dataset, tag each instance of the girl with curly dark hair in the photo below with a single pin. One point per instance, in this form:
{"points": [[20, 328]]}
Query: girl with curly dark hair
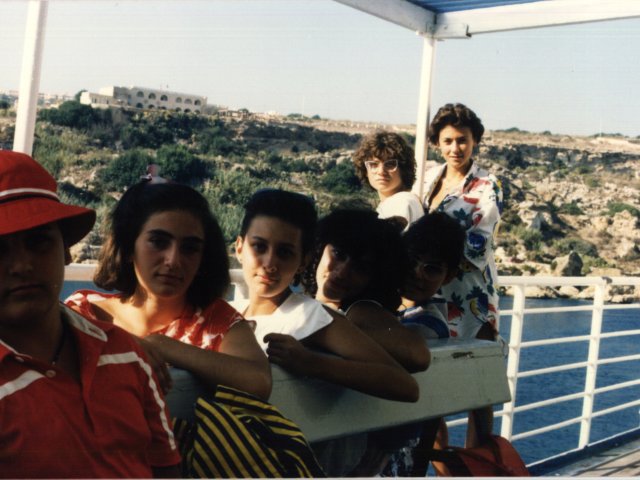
{"points": [[385, 162]]}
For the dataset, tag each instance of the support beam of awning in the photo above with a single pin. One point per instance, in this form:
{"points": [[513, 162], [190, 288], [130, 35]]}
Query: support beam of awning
{"points": [[30, 76], [424, 108]]}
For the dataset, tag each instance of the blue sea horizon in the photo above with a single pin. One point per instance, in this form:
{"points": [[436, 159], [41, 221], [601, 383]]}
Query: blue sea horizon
{"points": [[537, 388]]}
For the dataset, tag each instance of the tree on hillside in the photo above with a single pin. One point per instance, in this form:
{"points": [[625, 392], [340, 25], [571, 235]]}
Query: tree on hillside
{"points": [[180, 165], [75, 115], [340, 179], [215, 140], [125, 170], [142, 133]]}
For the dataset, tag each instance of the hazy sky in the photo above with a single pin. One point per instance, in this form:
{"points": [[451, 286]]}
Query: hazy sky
{"points": [[321, 57]]}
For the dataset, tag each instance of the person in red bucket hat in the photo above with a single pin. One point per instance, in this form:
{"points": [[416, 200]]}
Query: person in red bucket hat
{"points": [[77, 397]]}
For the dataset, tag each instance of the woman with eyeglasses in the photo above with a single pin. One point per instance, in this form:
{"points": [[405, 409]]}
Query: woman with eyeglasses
{"points": [[386, 163]]}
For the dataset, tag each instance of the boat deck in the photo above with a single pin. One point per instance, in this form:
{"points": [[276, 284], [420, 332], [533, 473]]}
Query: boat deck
{"points": [[620, 460], [626, 465]]}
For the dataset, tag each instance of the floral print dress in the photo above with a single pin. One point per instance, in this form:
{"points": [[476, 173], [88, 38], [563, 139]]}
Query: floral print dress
{"points": [[476, 203]]}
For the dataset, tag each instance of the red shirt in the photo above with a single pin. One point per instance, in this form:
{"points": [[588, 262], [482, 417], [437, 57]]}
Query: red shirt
{"points": [[112, 424], [195, 326]]}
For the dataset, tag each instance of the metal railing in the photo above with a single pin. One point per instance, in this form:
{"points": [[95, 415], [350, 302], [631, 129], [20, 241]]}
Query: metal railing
{"points": [[518, 314], [591, 363]]}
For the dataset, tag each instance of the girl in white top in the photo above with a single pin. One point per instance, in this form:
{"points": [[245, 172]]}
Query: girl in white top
{"points": [[385, 162], [276, 236]]}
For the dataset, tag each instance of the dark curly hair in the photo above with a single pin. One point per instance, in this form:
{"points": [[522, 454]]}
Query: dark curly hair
{"points": [[385, 145], [438, 235], [374, 244], [115, 270], [456, 115]]}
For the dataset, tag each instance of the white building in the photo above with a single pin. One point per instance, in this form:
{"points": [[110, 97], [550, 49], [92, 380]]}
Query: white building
{"points": [[144, 98]]}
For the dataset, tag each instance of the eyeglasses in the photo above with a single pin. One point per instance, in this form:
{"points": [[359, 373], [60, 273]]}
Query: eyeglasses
{"points": [[390, 165], [429, 270]]}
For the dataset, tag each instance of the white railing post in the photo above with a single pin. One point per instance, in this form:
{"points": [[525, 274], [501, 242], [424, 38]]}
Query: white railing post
{"points": [[592, 363], [240, 288], [30, 76], [513, 362]]}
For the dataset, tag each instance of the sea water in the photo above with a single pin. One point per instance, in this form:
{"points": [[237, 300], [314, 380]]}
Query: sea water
{"points": [[536, 388], [542, 387]]}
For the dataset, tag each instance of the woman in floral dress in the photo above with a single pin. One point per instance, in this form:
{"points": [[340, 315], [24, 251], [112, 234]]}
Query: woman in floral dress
{"points": [[472, 196]]}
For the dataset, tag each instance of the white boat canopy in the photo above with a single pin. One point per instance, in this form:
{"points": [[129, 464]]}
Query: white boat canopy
{"points": [[432, 19]]}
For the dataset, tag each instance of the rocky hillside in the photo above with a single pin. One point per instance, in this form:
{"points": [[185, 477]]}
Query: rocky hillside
{"points": [[572, 204]]}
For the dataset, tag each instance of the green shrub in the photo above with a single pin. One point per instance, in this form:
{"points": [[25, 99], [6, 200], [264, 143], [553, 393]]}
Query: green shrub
{"points": [[75, 115], [591, 181], [585, 169], [617, 207], [52, 161], [142, 134], [531, 238], [180, 165], [69, 193], [125, 170], [589, 262], [229, 218], [583, 247], [571, 208], [7, 132], [232, 187], [214, 141], [274, 160], [341, 179], [509, 220]]}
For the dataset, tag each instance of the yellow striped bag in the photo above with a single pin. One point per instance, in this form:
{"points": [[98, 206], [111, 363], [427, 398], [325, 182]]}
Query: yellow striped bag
{"points": [[237, 435]]}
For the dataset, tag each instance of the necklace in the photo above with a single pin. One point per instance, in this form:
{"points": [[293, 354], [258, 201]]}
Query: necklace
{"points": [[56, 355]]}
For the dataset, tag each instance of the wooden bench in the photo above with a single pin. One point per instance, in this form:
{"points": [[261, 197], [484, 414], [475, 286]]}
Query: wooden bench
{"points": [[464, 375]]}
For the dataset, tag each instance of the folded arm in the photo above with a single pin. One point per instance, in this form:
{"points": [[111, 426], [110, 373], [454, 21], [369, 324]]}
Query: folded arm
{"points": [[406, 346], [239, 363], [360, 363]]}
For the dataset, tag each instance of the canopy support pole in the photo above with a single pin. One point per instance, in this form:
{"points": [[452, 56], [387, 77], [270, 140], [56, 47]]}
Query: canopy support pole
{"points": [[424, 105], [30, 76]]}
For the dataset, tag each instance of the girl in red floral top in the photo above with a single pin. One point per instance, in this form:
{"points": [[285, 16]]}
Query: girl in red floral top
{"points": [[166, 256]]}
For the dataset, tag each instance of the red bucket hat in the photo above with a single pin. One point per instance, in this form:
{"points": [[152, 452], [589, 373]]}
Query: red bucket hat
{"points": [[28, 199]]}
